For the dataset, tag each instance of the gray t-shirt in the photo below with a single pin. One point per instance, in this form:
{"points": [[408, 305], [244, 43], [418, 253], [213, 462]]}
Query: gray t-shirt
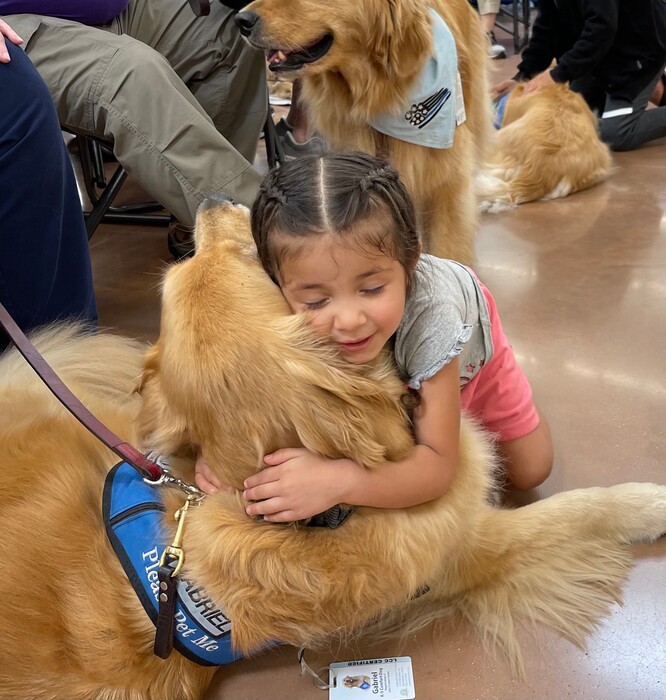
{"points": [[445, 315]]}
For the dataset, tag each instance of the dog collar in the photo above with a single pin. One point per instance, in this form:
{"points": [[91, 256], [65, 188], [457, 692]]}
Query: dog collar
{"points": [[435, 104]]}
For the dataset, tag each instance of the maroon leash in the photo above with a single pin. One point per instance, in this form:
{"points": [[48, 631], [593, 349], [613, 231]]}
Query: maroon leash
{"points": [[146, 467], [173, 556]]}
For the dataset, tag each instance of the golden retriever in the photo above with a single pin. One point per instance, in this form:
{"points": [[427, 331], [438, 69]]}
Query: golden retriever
{"points": [[235, 376], [357, 60], [548, 146]]}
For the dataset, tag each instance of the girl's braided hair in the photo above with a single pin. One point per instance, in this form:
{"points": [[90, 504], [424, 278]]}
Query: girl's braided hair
{"points": [[353, 196]]}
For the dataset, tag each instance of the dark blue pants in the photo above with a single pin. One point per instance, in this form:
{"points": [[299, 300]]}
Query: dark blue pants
{"points": [[45, 271]]}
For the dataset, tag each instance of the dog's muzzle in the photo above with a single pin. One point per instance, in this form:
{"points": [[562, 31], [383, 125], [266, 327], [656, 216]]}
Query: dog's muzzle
{"points": [[246, 21]]}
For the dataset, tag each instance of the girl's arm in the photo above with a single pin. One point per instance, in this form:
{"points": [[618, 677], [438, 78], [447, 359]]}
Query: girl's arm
{"points": [[298, 484]]}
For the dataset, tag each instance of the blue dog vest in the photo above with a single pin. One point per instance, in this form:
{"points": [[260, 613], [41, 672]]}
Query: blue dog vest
{"points": [[133, 514]]}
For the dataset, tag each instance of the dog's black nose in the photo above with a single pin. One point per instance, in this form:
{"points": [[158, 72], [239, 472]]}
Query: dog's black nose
{"points": [[245, 21]]}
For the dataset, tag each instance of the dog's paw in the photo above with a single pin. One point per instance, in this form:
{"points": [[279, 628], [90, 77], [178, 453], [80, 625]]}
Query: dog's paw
{"points": [[494, 206]]}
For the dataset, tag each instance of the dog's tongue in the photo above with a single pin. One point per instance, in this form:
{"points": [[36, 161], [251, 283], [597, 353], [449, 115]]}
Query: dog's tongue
{"points": [[277, 56]]}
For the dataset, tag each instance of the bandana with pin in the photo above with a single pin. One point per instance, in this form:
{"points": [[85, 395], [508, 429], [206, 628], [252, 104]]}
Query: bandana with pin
{"points": [[435, 104]]}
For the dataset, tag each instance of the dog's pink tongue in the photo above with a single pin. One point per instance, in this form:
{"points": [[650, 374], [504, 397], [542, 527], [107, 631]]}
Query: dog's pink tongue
{"points": [[277, 57]]}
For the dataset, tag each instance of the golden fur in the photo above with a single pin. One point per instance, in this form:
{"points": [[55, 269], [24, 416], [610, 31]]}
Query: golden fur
{"points": [[379, 47], [235, 375], [548, 146]]}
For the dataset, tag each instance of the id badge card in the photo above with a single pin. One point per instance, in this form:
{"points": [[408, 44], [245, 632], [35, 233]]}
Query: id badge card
{"points": [[389, 679]]}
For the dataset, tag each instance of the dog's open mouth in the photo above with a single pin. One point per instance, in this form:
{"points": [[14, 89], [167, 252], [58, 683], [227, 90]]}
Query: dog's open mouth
{"points": [[286, 60]]}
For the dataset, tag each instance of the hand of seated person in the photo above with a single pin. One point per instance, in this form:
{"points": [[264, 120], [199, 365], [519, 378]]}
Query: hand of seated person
{"points": [[7, 31]]}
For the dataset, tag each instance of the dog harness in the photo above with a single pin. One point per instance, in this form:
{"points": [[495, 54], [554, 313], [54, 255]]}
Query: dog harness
{"points": [[133, 517], [435, 104], [499, 105]]}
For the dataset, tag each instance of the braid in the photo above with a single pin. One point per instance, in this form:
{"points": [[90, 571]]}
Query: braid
{"points": [[273, 193], [377, 176]]}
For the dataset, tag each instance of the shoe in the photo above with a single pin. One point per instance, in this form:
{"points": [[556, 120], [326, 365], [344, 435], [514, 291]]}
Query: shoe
{"points": [[180, 240], [292, 148], [495, 50]]}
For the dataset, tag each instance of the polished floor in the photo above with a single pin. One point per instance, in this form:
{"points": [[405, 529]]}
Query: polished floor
{"points": [[581, 288]]}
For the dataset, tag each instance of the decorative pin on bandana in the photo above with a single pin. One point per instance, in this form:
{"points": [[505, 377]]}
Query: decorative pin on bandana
{"points": [[435, 105]]}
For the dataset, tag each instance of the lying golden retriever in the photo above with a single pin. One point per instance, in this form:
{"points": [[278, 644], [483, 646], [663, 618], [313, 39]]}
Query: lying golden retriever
{"points": [[234, 375], [548, 147], [357, 61]]}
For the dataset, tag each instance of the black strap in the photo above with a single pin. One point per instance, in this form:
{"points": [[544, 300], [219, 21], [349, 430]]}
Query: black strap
{"points": [[166, 611]]}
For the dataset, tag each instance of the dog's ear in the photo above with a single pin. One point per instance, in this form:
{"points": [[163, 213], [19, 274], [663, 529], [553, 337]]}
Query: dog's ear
{"points": [[159, 428], [218, 219], [400, 35], [343, 412]]}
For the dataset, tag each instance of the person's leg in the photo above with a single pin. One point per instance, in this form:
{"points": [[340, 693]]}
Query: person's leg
{"points": [[297, 117], [501, 398], [658, 96], [223, 72], [528, 460], [488, 11], [294, 130], [121, 90], [625, 125], [488, 21], [45, 271]]}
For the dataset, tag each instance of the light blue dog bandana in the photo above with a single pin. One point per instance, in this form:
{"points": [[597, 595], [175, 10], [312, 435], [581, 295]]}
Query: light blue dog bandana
{"points": [[435, 106]]}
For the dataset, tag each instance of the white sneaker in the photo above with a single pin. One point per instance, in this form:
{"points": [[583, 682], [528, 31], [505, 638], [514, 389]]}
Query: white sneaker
{"points": [[495, 50]]}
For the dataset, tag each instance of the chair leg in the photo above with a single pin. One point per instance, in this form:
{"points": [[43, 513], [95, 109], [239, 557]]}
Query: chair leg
{"points": [[101, 206], [274, 150], [102, 193]]}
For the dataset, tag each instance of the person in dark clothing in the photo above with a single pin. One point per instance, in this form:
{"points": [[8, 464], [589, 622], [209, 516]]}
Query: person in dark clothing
{"points": [[611, 51], [45, 271]]}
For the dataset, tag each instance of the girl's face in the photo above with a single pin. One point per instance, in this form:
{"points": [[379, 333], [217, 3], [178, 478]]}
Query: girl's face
{"points": [[355, 298]]}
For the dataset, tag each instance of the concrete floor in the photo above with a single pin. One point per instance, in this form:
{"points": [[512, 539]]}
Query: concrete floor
{"points": [[580, 286]]}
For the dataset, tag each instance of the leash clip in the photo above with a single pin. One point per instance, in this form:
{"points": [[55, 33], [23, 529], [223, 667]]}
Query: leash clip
{"points": [[192, 492], [174, 551]]}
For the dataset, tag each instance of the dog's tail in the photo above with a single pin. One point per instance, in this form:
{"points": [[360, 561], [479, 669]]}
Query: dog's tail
{"points": [[560, 562]]}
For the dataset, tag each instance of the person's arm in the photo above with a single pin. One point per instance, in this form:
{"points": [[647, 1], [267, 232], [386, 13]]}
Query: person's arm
{"points": [[540, 50], [600, 19], [298, 484]]}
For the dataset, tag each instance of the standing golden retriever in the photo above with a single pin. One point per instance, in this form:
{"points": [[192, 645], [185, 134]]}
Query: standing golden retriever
{"points": [[235, 376], [358, 60], [548, 147]]}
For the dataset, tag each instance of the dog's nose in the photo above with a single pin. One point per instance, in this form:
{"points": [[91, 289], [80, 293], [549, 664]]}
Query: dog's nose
{"points": [[245, 21]]}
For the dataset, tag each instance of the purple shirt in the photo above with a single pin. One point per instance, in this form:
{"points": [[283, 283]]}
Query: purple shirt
{"points": [[84, 11]]}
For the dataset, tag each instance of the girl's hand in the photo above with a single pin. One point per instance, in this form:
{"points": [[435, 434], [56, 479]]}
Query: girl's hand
{"points": [[7, 31], [206, 480], [538, 83], [298, 484]]}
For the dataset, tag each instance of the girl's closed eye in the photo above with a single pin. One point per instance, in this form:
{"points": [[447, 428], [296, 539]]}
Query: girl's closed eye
{"points": [[374, 290], [314, 305]]}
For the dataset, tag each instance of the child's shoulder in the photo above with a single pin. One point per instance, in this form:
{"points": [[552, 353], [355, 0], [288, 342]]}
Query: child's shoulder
{"points": [[447, 275]]}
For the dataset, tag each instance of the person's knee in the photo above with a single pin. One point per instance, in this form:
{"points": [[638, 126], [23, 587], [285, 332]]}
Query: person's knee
{"points": [[618, 134], [535, 472], [137, 63], [529, 460]]}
